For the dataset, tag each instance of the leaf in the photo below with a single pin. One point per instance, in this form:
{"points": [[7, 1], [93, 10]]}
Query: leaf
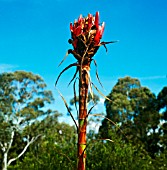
{"points": [[90, 83], [105, 139], [68, 109], [75, 98], [91, 109], [74, 76], [101, 93], [68, 159], [63, 58], [110, 121], [71, 65], [104, 43], [104, 118], [97, 76], [95, 140], [75, 54], [83, 57]]}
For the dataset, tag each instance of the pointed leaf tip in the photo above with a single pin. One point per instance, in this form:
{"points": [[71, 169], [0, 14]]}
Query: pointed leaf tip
{"points": [[97, 19]]}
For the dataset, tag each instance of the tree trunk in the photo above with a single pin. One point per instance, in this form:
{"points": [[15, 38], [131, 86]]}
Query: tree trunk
{"points": [[83, 97], [5, 157]]}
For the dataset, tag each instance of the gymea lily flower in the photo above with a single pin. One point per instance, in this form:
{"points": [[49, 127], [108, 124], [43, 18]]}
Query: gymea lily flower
{"points": [[86, 34]]}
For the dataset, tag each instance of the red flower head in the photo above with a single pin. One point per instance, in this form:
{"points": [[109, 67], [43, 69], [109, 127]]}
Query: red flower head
{"points": [[86, 32]]}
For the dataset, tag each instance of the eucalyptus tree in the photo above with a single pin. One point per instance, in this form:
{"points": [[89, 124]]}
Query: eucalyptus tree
{"points": [[23, 101], [133, 109], [55, 150], [162, 107]]}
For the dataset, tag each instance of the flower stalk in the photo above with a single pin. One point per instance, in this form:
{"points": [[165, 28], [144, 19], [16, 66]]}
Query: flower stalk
{"points": [[86, 33]]}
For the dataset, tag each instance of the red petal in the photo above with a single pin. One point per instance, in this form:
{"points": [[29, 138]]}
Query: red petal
{"points": [[78, 30], [75, 43], [89, 15], [74, 31], [97, 37], [71, 27], [97, 19], [80, 19], [75, 24], [90, 18]]}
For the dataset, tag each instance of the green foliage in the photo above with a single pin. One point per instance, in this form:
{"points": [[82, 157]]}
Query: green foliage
{"points": [[140, 144], [46, 154], [117, 155], [160, 162], [134, 108], [162, 107], [23, 102], [56, 150]]}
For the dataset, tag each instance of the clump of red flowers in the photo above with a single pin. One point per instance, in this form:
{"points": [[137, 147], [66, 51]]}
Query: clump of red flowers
{"points": [[86, 34], [88, 27]]}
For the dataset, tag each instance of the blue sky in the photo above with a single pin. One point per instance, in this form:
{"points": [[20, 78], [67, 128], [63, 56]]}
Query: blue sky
{"points": [[34, 35]]}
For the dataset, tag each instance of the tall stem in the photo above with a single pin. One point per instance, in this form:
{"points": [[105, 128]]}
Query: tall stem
{"points": [[5, 157], [83, 97]]}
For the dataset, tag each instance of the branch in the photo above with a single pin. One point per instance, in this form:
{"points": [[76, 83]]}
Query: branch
{"points": [[11, 141], [2, 147], [24, 150], [5, 148]]}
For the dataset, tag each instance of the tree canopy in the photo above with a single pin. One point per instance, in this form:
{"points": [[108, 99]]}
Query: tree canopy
{"points": [[23, 101], [32, 138], [135, 109]]}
